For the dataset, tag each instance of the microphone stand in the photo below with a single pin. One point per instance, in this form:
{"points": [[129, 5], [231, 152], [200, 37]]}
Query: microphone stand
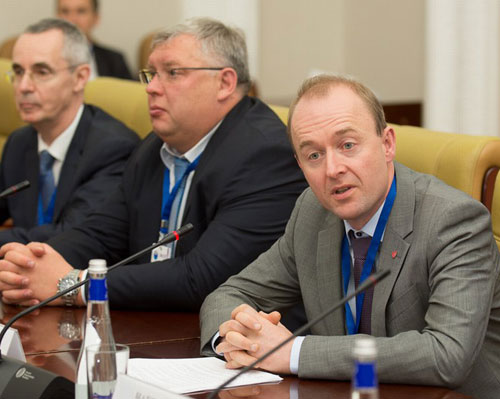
{"points": [[371, 280]]}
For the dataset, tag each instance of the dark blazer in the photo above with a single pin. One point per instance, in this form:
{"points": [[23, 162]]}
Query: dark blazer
{"points": [[436, 317], [241, 196], [93, 166], [110, 62]]}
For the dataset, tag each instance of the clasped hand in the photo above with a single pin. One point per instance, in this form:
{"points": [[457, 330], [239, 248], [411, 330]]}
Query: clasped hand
{"points": [[250, 334], [29, 273]]}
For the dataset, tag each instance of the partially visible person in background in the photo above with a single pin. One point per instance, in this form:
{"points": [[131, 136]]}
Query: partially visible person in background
{"points": [[85, 15]]}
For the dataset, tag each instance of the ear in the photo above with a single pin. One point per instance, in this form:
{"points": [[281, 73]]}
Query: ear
{"points": [[389, 143], [228, 82], [81, 77]]}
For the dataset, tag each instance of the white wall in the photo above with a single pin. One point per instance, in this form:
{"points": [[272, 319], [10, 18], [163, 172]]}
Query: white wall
{"points": [[378, 41]]}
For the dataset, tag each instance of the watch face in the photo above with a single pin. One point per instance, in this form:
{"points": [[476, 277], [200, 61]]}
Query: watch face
{"points": [[67, 283]]}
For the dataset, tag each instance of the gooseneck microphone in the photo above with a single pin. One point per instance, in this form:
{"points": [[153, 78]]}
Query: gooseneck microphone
{"points": [[22, 380], [14, 189], [370, 281]]}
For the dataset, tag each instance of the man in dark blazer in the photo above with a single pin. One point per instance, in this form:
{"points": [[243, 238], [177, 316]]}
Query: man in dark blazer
{"points": [[110, 62], [238, 195], [435, 319], [88, 147], [85, 15]]}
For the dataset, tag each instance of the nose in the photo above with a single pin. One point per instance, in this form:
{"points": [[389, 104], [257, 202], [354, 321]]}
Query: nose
{"points": [[25, 83], [335, 164], [154, 87]]}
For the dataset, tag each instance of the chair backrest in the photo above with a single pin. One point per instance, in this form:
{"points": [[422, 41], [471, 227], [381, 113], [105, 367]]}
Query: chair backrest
{"points": [[495, 211], [7, 46], [462, 161], [145, 49], [126, 100], [9, 117]]}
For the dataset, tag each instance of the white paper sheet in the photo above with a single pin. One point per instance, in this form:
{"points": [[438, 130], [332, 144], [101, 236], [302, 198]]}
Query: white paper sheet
{"points": [[192, 375]]}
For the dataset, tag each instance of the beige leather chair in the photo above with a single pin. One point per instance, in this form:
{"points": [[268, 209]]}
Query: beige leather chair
{"points": [[145, 49], [463, 161], [495, 211], [9, 118], [126, 100], [6, 47]]}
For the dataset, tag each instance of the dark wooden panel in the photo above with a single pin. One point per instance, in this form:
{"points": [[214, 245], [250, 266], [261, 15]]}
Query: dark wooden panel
{"points": [[403, 113]]}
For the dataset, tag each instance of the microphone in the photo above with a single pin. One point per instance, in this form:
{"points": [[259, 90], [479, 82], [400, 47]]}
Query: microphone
{"points": [[14, 189], [370, 281], [23, 380]]}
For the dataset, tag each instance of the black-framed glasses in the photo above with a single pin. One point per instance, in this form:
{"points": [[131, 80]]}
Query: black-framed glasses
{"points": [[147, 75]]}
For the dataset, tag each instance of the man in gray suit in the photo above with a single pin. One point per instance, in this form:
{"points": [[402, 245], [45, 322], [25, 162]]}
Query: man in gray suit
{"points": [[436, 318]]}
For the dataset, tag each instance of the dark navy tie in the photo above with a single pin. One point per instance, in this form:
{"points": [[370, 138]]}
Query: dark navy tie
{"points": [[360, 247], [47, 182]]}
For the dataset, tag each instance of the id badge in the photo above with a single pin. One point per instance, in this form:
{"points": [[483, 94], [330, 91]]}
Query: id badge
{"points": [[162, 252]]}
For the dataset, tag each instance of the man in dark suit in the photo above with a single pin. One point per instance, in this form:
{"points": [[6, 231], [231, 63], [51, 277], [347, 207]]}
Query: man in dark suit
{"points": [[86, 148], [85, 15], [435, 319], [238, 189]]}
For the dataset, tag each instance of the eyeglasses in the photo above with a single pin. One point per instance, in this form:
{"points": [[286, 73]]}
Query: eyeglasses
{"points": [[147, 75], [37, 75]]}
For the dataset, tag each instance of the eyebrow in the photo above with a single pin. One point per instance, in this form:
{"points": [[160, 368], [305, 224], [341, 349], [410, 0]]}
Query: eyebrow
{"points": [[36, 65], [338, 133]]}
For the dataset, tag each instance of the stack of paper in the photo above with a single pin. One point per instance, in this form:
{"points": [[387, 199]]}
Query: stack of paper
{"points": [[192, 375]]}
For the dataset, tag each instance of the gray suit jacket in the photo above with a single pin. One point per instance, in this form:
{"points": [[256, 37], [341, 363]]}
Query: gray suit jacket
{"points": [[431, 316]]}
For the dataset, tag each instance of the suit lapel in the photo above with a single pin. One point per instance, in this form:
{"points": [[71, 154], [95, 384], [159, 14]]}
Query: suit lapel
{"points": [[394, 247], [329, 277], [69, 168]]}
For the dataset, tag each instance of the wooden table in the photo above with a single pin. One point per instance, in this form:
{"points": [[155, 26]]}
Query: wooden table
{"points": [[51, 340]]}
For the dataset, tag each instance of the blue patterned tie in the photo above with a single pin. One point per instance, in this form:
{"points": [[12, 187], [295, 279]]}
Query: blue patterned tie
{"points": [[360, 247], [181, 164], [46, 179]]}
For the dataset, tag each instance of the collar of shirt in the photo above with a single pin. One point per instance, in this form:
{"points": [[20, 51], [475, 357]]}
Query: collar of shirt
{"points": [[168, 154], [60, 145], [368, 229]]}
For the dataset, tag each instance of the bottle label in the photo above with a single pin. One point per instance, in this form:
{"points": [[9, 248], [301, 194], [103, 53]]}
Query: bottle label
{"points": [[365, 375], [98, 290]]}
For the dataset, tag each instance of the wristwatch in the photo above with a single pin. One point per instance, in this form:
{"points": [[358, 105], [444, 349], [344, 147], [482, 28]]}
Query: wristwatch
{"points": [[67, 281]]}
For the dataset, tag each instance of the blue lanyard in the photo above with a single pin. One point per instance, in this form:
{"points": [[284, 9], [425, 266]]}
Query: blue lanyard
{"points": [[353, 328], [45, 217], [169, 196]]}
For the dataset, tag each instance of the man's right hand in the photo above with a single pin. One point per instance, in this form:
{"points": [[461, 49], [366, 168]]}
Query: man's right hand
{"points": [[249, 334], [30, 273]]}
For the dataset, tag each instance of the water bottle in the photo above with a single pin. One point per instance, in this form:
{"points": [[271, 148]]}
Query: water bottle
{"points": [[97, 327], [364, 378]]}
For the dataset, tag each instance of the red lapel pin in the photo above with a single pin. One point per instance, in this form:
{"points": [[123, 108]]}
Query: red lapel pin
{"points": [[394, 253]]}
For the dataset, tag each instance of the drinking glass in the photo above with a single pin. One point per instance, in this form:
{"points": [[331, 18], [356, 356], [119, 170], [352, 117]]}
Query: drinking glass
{"points": [[104, 363]]}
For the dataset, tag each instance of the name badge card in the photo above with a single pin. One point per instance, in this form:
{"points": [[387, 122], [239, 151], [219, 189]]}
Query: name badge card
{"points": [[11, 345], [163, 252]]}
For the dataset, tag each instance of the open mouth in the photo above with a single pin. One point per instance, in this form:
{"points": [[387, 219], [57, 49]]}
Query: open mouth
{"points": [[342, 190]]}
